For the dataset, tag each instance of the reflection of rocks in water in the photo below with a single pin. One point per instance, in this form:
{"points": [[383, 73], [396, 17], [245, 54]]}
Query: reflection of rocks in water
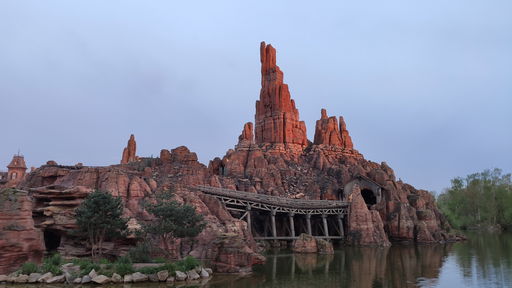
{"points": [[367, 265], [398, 266], [309, 262]]}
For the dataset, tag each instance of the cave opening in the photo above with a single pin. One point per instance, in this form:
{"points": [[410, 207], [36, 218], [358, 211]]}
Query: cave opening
{"points": [[51, 240], [369, 197]]}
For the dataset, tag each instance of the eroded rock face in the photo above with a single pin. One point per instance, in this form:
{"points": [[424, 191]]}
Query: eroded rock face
{"points": [[327, 132], [129, 153], [277, 119], [58, 190], [20, 241], [365, 226]]}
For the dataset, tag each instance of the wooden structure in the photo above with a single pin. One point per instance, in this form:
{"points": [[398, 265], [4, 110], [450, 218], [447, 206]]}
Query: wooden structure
{"points": [[280, 218]]}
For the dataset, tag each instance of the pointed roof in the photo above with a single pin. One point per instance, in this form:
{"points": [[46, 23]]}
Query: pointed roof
{"points": [[17, 161]]}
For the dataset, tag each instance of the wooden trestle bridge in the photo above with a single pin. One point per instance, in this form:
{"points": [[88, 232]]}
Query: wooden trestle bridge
{"points": [[288, 217]]}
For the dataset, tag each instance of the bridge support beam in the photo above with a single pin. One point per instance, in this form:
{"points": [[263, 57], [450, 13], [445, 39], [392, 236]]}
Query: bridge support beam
{"points": [[292, 224], [273, 223], [249, 220], [308, 224], [340, 224], [326, 227]]}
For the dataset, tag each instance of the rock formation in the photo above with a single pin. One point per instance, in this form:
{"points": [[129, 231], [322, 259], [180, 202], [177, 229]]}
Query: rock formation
{"points": [[277, 119], [129, 153], [327, 132], [278, 161], [365, 226], [247, 136], [20, 241]]}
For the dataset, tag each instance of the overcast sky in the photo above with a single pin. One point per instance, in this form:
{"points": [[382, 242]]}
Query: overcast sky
{"points": [[424, 85]]}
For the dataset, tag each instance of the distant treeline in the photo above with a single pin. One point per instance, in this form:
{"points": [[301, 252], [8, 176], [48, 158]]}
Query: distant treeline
{"points": [[479, 200]]}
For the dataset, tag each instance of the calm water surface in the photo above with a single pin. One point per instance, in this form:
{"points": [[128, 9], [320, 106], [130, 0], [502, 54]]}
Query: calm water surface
{"points": [[485, 260]]}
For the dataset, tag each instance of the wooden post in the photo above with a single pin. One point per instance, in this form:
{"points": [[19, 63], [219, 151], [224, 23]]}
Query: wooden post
{"points": [[326, 228], [249, 221], [340, 223], [273, 223], [308, 223], [292, 224]]}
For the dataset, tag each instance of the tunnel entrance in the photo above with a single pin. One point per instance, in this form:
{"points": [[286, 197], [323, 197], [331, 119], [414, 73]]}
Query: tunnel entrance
{"points": [[369, 197], [51, 240]]}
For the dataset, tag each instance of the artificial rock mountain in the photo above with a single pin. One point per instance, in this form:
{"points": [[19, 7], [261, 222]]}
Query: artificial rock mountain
{"points": [[272, 157]]}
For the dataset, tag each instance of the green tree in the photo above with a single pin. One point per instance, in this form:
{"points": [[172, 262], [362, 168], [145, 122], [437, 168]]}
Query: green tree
{"points": [[99, 217], [172, 219], [480, 199]]}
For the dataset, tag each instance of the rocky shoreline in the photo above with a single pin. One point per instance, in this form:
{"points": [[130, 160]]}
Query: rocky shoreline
{"points": [[198, 274]]}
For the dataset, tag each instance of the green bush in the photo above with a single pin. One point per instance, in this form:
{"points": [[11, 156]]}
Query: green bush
{"points": [[49, 267], [140, 253], [54, 260], [87, 266], [123, 268], [52, 264], [188, 263], [29, 267]]}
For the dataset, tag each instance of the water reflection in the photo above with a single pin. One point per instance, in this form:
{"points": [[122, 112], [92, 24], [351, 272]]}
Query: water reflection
{"points": [[483, 261]]}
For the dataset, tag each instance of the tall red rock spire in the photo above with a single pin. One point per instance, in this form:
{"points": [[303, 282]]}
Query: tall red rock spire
{"points": [[129, 153], [277, 119]]}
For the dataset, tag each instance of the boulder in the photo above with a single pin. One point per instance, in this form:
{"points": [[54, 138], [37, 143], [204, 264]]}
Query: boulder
{"points": [[101, 279], [116, 278], [3, 278], [77, 280], [305, 244], [22, 278], [170, 279], [180, 276], [128, 278], [153, 278], [203, 273], [192, 275], [86, 279], [32, 278], [92, 274], [139, 277], [56, 279], [162, 275], [45, 277], [324, 247]]}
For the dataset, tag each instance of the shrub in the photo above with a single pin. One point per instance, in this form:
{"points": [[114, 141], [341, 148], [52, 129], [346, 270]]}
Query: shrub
{"points": [[48, 267], [54, 260], [188, 263], [140, 253], [87, 266], [29, 267], [123, 268]]}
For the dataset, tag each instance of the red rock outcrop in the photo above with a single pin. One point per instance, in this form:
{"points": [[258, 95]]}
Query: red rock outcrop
{"points": [[129, 152], [365, 226], [327, 132], [247, 136], [20, 241], [277, 118], [58, 190]]}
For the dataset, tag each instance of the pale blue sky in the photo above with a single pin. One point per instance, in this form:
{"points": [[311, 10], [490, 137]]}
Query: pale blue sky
{"points": [[423, 85]]}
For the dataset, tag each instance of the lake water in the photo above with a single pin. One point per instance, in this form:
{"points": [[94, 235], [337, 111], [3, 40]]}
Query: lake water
{"points": [[485, 260]]}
